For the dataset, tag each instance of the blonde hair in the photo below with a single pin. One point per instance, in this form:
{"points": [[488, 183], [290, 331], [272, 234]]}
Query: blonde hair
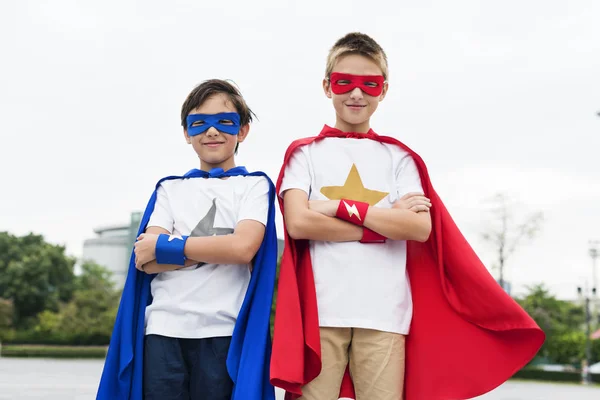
{"points": [[357, 43]]}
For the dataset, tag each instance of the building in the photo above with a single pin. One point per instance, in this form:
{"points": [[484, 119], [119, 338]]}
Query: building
{"points": [[112, 247]]}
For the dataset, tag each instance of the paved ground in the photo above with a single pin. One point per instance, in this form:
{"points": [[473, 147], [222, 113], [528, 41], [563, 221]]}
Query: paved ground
{"points": [[78, 380], [48, 379], [542, 391]]}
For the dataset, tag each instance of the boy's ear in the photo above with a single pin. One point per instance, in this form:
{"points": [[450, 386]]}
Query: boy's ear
{"points": [[244, 130], [384, 92], [327, 87], [187, 137]]}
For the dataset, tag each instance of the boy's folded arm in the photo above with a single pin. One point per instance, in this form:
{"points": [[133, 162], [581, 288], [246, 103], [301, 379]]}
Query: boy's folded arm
{"points": [[240, 247], [399, 224], [153, 267], [304, 223]]}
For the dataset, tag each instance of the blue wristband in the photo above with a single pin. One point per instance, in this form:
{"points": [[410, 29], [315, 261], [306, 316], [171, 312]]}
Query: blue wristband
{"points": [[169, 249]]}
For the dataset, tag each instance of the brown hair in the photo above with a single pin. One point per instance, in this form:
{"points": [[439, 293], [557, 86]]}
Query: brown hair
{"points": [[357, 43], [209, 88]]}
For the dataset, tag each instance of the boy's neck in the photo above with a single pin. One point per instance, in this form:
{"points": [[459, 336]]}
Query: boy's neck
{"points": [[225, 165], [344, 126]]}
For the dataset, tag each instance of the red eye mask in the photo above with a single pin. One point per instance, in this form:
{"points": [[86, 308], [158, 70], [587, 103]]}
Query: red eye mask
{"points": [[344, 83]]}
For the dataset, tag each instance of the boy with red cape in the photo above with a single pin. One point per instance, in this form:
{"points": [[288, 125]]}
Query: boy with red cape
{"points": [[380, 296]]}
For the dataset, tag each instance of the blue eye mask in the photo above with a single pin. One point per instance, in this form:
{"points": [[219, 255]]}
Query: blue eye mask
{"points": [[223, 122]]}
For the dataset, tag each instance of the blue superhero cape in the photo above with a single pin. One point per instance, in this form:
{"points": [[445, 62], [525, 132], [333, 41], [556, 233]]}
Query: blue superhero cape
{"points": [[248, 360]]}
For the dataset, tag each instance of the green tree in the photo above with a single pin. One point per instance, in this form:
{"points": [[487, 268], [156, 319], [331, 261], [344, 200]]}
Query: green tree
{"points": [[6, 318], [551, 313], [567, 347], [34, 274], [562, 322], [89, 317], [94, 277]]}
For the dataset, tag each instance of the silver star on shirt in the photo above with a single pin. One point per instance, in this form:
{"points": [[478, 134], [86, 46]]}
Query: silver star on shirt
{"points": [[206, 227]]}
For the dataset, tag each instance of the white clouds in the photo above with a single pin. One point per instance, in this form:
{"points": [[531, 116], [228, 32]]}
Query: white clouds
{"points": [[540, 187], [558, 255]]}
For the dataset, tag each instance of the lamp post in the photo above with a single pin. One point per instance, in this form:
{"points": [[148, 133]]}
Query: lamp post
{"points": [[585, 295], [594, 254]]}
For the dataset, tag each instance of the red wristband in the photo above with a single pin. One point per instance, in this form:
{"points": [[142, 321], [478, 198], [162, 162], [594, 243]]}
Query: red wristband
{"points": [[352, 211], [370, 236]]}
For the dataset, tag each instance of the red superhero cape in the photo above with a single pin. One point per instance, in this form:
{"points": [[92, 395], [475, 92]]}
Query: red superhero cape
{"points": [[467, 335]]}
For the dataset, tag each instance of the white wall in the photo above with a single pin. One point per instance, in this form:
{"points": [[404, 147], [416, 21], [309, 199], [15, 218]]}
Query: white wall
{"points": [[110, 252]]}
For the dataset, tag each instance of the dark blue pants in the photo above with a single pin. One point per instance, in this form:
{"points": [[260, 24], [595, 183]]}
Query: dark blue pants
{"points": [[186, 369]]}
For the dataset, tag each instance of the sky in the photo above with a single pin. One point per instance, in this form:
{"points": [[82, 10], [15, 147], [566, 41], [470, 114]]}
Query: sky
{"points": [[496, 97]]}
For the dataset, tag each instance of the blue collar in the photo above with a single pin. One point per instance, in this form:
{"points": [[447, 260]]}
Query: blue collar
{"points": [[216, 172]]}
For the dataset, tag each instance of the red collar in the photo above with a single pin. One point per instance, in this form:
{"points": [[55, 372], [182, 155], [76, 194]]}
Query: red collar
{"points": [[328, 131]]}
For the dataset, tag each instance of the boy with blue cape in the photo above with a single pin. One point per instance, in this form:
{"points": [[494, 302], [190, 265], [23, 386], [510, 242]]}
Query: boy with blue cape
{"points": [[193, 322]]}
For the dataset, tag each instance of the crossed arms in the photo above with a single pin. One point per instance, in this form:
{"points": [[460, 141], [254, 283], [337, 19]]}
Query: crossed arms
{"points": [[240, 247], [408, 219]]}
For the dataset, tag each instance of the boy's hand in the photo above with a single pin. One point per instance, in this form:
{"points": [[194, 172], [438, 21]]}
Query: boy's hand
{"points": [[325, 207], [416, 202], [144, 249]]}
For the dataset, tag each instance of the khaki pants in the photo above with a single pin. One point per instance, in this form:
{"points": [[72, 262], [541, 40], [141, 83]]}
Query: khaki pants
{"points": [[376, 364]]}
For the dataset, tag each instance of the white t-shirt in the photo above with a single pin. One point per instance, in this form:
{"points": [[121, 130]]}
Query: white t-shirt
{"points": [[201, 302], [358, 285]]}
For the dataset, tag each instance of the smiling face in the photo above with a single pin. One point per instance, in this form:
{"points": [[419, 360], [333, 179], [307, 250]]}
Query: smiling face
{"points": [[354, 108], [216, 149]]}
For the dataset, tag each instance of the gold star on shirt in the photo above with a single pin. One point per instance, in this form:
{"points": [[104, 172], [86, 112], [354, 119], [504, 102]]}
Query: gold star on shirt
{"points": [[353, 189]]}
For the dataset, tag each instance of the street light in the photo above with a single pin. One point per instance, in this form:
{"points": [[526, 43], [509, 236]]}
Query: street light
{"points": [[589, 296], [594, 254], [588, 343]]}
